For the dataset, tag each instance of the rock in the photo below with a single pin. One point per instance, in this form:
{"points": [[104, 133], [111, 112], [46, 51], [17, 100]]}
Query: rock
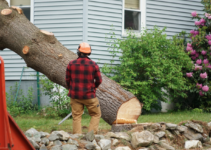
{"points": [[137, 129], [34, 144], [169, 134], [34, 134], [153, 127], [57, 142], [57, 147], [156, 139], [205, 138], [44, 134], [85, 142], [70, 141], [76, 136], [97, 147], [69, 147], [194, 126], [50, 144], [144, 138], [99, 137], [176, 132], [209, 124], [53, 137], [171, 126], [90, 146], [192, 135], [64, 136], [90, 136], [123, 148], [160, 134], [43, 148], [166, 146], [45, 141], [105, 144], [114, 142], [193, 144], [119, 135], [143, 149], [181, 128]]}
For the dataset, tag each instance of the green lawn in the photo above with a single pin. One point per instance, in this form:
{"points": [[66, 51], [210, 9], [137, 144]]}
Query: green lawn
{"points": [[33, 120]]}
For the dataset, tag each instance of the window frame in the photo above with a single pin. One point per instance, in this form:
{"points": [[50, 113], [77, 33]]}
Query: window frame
{"points": [[142, 19], [31, 9]]}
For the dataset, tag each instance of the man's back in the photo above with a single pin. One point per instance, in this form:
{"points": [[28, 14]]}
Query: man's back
{"points": [[82, 78]]}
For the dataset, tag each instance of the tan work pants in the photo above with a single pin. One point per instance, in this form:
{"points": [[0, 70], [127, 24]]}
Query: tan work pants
{"points": [[93, 107]]}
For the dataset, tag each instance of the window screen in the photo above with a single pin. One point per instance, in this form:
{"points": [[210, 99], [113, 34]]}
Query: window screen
{"points": [[132, 20], [20, 2], [132, 4]]}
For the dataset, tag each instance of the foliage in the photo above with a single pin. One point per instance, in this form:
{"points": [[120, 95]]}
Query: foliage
{"points": [[23, 104], [60, 102], [199, 51], [150, 66]]}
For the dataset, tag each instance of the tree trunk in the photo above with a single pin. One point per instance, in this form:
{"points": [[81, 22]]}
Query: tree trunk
{"points": [[44, 53]]}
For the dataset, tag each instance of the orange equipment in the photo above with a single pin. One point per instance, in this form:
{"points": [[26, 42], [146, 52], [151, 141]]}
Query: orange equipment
{"points": [[11, 136], [84, 48]]}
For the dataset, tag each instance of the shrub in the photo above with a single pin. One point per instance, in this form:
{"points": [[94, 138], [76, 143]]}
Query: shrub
{"points": [[147, 64], [199, 51], [60, 102], [22, 104]]}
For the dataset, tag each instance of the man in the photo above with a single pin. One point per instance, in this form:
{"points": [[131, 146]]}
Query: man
{"points": [[82, 78]]}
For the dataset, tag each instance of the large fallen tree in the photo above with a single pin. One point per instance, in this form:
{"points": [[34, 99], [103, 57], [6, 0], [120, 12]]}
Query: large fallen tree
{"points": [[44, 53]]}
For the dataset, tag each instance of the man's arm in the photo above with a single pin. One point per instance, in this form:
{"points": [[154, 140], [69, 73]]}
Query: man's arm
{"points": [[98, 78], [68, 76]]}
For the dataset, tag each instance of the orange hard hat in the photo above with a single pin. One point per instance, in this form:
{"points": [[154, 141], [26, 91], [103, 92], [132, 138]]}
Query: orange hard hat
{"points": [[84, 48]]}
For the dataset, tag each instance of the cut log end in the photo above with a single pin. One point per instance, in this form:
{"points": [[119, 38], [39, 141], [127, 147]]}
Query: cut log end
{"points": [[20, 11], [129, 112], [6, 12], [25, 50], [47, 33]]}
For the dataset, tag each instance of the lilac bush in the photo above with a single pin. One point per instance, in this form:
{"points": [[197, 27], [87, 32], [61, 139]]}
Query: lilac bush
{"points": [[199, 49]]}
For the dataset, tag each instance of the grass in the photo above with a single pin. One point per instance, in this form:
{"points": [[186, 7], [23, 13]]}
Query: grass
{"points": [[33, 120]]}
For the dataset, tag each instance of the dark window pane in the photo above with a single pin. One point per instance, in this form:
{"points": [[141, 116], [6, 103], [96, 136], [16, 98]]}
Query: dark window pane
{"points": [[132, 20], [26, 11]]}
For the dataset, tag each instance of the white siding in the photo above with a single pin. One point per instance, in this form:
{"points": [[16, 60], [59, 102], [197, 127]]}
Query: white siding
{"points": [[62, 17], [102, 17], [175, 15]]}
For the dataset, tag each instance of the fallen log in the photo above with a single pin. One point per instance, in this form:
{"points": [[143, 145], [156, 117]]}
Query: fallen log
{"points": [[42, 52]]}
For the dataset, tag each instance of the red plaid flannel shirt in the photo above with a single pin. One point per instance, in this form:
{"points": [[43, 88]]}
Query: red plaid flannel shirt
{"points": [[80, 75]]}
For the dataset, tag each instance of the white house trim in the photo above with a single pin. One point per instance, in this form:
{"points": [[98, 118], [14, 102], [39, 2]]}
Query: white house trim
{"points": [[32, 12], [142, 7]]}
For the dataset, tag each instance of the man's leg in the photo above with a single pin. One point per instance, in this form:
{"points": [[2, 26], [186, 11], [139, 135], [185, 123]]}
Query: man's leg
{"points": [[93, 107], [77, 111]]}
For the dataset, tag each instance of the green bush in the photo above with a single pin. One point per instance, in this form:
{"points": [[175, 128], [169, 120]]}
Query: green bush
{"points": [[23, 104], [60, 102], [149, 63]]}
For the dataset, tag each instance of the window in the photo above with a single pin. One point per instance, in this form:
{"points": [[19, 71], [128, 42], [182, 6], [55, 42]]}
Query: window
{"points": [[134, 12], [25, 5]]}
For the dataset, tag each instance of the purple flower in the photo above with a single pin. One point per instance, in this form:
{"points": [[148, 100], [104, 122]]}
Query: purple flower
{"points": [[193, 52], [196, 33], [203, 75], [197, 55], [206, 61], [208, 37], [205, 88], [189, 45], [202, 20], [189, 48], [209, 66], [193, 57], [208, 15], [203, 52], [200, 93], [194, 14], [192, 31], [209, 42], [199, 86], [198, 61], [197, 23], [197, 67], [190, 74]]}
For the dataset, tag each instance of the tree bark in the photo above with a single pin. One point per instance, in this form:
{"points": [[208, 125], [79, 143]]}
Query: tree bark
{"points": [[44, 53]]}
